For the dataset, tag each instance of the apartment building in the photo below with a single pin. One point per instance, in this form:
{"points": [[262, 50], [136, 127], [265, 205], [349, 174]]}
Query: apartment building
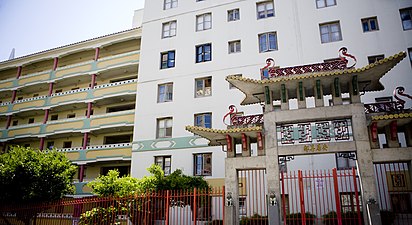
{"points": [[78, 99]]}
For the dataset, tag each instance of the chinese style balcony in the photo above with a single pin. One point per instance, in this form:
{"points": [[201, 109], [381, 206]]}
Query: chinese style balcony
{"points": [[383, 107], [246, 121]]}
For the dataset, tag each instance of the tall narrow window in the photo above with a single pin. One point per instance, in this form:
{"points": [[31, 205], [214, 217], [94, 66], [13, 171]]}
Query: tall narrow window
{"points": [[203, 53], [234, 46], [410, 55], [265, 9], [165, 92], [325, 3], [164, 127], [165, 162], [203, 87], [233, 15], [169, 29], [330, 32], [370, 24], [168, 4], [204, 22], [167, 59], [406, 17], [203, 164], [203, 120], [268, 42]]}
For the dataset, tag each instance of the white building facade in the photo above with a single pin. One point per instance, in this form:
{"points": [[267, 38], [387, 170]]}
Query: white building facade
{"points": [[189, 47]]}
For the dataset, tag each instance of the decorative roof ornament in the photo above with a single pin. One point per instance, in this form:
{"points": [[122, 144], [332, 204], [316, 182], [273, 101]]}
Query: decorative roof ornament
{"points": [[400, 91], [271, 71], [343, 53], [232, 113]]}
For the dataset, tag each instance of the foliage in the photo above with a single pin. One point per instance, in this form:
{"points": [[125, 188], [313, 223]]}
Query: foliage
{"points": [[350, 217], [215, 222], [387, 217], [255, 219], [296, 219], [31, 176], [102, 216]]}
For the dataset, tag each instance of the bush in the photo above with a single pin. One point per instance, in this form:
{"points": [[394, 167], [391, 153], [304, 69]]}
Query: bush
{"points": [[348, 218], [387, 217], [296, 219], [255, 219]]}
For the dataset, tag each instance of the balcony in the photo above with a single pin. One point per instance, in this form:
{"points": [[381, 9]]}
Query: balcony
{"points": [[246, 121], [383, 107], [94, 153], [78, 124], [68, 97], [87, 67]]}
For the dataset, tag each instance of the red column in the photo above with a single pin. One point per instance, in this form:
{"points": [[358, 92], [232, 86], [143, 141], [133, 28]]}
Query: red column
{"points": [[96, 54], [302, 197], [55, 63], [8, 121], [41, 143], [337, 196]]}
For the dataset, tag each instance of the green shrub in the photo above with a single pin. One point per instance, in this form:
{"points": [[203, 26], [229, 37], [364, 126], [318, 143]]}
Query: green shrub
{"points": [[348, 218], [296, 219], [255, 219]]}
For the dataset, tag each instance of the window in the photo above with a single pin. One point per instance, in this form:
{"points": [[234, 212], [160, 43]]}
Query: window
{"points": [[123, 170], [58, 91], [26, 145], [410, 55], [35, 95], [118, 139], [406, 17], [67, 144], [169, 29], [120, 108], [164, 127], [375, 58], [203, 120], [231, 86], [265, 9], [165, 92], [167, 59], [72, 115], [203, 87], [31, 120], [370, 24], [15, 123], [233, 15], [325, 3], [87, 143], [50, 145], [20, 98], [203, 53], [204, 22], [242, 205], [203, 164], [54, 117], [165, 162], [91, 112], [344, 163], [349, 202], [168, 4], [268, 42], [330, 32], [234, 46]]}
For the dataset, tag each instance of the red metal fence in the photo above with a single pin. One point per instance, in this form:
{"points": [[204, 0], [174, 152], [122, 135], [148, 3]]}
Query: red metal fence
{"points": [[178, 207], [394, 192], [321, 197]]}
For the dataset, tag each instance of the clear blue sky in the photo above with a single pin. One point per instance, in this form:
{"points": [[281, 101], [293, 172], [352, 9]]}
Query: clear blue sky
{"points": [[30, 26]]}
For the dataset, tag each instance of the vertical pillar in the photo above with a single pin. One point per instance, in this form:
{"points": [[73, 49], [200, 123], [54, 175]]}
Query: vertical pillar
{"points": [[245, 145], [231, 209], [231, 148], [301, 96], [13, 97], [373, 135], [336, 92], [260, 144], [319, 102], [268, 100], [354, 90], [284, 101], [8, 122], [391, 134], [41, 146], [408, 134]]}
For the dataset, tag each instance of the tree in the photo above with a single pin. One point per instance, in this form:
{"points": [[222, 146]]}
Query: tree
{"points": [[29, 176]]}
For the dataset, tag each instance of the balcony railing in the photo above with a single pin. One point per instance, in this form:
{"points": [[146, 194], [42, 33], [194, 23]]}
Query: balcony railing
{"points": [[379, 107], [241, 121]]}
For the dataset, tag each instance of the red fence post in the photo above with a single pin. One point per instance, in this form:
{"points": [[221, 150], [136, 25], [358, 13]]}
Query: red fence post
{"points": [[302, 198], [283, 198], [337, 197], [355, 186], [194, 206], [167, 207]]}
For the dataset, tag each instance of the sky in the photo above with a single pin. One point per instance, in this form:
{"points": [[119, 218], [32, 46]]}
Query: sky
{"points": [[31, 26]]}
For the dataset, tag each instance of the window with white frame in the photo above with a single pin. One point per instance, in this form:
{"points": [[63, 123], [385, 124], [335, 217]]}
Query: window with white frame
{"points": [[233, 15], [169, 29], [370, 24], [268, 42], [204, 22], [203, 120], [165, 92], [330, 32], [265, 9], [203, 53], [325, 3], [234, 46], [167, 59], [168, 4], [203, 164], [164, 127], [203, 87], [406, 17], [165, 162]]}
